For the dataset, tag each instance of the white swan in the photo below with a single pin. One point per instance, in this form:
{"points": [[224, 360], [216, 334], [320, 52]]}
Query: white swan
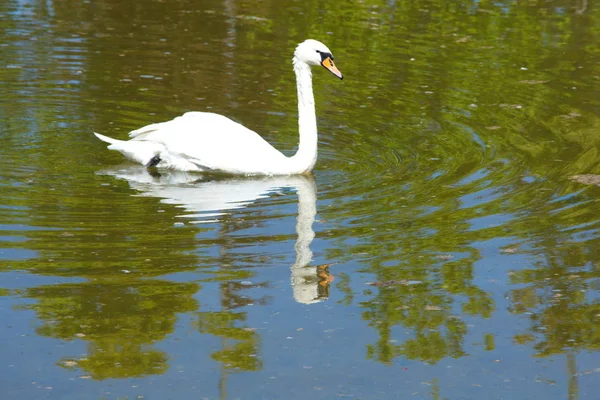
{"points": [[202, 142]]}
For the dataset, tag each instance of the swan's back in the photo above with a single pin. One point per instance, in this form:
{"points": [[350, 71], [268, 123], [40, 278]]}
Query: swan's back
{"points": [[212, 142], [194, 119]]}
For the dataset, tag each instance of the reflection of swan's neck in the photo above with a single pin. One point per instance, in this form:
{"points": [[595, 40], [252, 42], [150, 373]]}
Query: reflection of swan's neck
{"points": [[306, 157], [305, 284], [307, 209]]}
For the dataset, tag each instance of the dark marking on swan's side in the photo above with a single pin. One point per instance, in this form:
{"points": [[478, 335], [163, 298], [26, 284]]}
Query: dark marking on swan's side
{"points": [[153, 162]]}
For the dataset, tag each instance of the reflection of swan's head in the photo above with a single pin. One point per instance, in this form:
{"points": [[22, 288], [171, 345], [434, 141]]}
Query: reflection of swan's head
{"points": [[313, 52]]}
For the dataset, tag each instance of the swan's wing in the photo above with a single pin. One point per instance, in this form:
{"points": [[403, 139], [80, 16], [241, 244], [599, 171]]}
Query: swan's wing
{"points": [[211, 141]]}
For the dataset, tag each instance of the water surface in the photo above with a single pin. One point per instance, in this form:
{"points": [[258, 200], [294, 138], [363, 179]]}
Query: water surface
{"points": [[438, 251]]}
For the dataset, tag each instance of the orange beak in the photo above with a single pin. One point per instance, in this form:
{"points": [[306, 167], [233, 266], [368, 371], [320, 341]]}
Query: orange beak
{"points": [[330, 66]]}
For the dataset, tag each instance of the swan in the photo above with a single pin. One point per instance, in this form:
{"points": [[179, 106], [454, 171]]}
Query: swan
{"points": [[208, 142]]}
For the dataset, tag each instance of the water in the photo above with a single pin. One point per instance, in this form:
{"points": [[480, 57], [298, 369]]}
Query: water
{"points": [[439, 251]]}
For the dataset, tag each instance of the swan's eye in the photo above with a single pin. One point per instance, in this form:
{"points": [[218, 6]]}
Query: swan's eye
{"points": [[324, 55]]}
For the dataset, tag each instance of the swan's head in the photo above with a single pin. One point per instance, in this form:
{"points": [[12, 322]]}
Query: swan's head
{"points": [[313, 52]]}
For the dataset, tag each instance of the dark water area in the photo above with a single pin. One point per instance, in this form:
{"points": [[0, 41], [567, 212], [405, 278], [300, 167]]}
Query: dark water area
{"points": [[439, 250]]}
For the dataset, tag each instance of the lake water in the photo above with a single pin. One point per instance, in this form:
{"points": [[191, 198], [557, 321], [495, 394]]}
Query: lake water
{"points": [[439, 250]]}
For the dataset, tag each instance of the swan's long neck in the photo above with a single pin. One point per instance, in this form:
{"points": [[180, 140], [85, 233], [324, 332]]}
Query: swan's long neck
{"points": [[305, 158]]}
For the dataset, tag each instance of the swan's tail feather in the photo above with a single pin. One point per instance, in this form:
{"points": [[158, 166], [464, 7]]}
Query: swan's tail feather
{"points": [[139, 151], [105, 138]]}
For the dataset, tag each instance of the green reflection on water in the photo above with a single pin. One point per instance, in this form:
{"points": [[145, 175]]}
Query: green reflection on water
{"points": [[120, 321], [454, 133]]}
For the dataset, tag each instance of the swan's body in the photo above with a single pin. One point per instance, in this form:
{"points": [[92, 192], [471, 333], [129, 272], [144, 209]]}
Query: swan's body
{"points": [[208, 142]]}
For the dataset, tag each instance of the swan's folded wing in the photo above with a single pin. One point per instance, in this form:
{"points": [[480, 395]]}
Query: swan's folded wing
{"points": [[145, 131], [211, 141]]}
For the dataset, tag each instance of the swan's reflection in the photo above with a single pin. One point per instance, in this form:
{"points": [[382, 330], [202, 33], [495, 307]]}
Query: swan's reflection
{"points": [[202, 199]]}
